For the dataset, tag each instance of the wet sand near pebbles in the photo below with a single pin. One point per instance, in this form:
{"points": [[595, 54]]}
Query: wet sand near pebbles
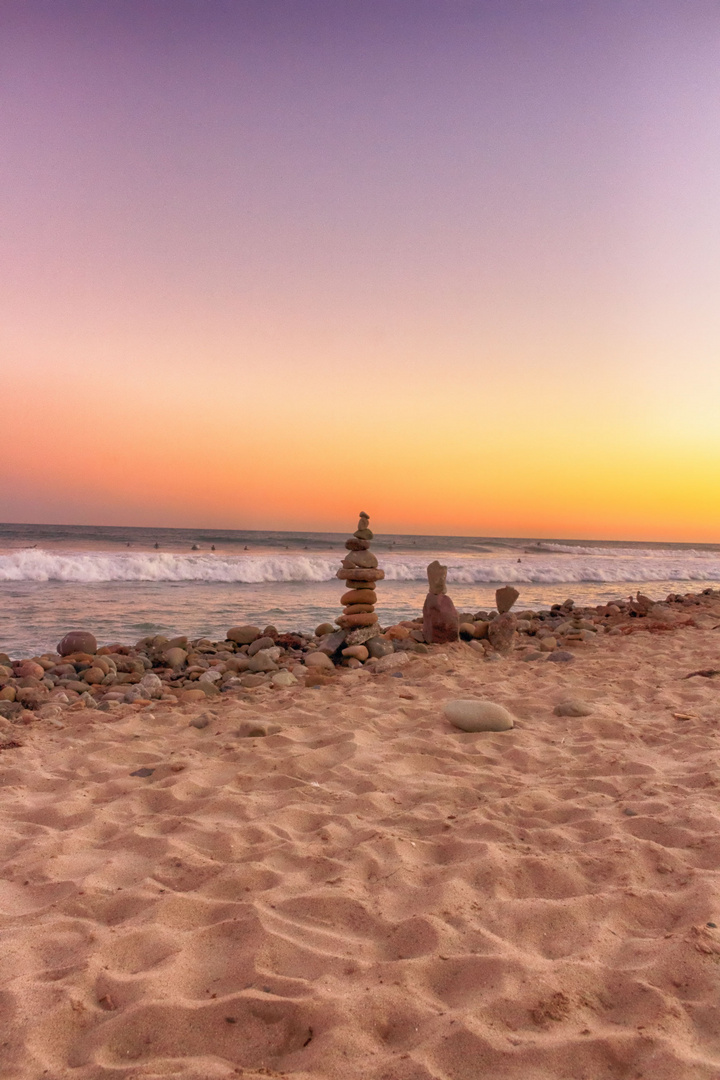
{"points": [[332, 882]]}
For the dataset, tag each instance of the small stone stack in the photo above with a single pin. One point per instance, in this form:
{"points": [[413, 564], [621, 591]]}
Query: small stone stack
{"points": [[360, 571], [440, 618]]}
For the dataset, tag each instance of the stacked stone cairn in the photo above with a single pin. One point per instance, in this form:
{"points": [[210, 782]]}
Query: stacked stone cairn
{"points": [[359, 571]]}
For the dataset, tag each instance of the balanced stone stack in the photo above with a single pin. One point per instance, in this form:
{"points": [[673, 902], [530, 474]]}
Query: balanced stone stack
{"points": [[359, 571]]}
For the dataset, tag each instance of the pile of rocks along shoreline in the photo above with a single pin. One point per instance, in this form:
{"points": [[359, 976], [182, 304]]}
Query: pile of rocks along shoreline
{"points": [[81, 675]]}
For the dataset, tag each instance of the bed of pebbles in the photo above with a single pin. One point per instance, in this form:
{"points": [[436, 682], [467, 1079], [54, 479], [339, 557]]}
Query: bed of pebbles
{"points": [[81, 675]]}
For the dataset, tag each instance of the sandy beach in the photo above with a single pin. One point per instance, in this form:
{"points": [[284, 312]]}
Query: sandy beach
{"points": [[331, 881]]}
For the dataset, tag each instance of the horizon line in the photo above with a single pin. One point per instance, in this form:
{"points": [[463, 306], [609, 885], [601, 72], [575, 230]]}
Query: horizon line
{"points": [[319, 532]]}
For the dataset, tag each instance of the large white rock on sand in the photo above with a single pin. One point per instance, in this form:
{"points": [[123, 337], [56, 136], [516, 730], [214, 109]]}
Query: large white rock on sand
{"points": [[478, 715]]}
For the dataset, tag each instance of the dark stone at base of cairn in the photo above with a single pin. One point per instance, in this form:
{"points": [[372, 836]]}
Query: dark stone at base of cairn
{"points": [[440, 618]]}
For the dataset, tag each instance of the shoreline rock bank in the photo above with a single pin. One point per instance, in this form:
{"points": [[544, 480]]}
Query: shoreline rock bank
{"points": [[181, 670]]}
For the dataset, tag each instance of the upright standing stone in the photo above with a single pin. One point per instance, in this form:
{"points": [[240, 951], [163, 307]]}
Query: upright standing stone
{"points": [[437, 578], [505, 598], [440, 619]]}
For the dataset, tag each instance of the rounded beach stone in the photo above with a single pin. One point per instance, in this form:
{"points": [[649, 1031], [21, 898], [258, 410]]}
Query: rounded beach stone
{"points": [[358, 609], [324, 628], [477, 715], [560, 656], [179, 642], [319, 660], [260, 643], [93, 675], [238, 663], [253, 680], [358, 652], [573, 707], [175, 657], [392, 660], [191, 695], [244, 635], [358, 586], [31, 681], [283, 679], [78, 641], [353, 544], [262, 661], [28, 668], [359, 574], [151, 684], [363, 534], [348, 622], [359, 596], [364, 559]]}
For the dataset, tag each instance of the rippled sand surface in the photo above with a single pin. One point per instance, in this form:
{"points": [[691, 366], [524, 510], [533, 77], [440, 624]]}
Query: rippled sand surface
{"points": [[367, 892]]}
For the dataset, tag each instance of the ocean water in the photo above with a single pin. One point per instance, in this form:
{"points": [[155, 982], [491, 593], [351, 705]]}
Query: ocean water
{"points": [[126, 583]]}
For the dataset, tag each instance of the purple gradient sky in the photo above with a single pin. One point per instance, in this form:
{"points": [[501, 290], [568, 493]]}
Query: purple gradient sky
{"points": [[479, 208]]}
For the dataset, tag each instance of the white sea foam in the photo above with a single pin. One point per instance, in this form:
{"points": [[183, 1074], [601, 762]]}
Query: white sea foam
{"points": [[618, 551], [565, 564]]}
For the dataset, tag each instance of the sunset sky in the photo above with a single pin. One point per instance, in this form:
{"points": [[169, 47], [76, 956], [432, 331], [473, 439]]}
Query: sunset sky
{"points": [[456, 261]]}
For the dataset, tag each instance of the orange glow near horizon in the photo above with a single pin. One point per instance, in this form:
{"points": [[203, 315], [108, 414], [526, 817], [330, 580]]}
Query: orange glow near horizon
{"points": [[263, 274], [223, 467]]}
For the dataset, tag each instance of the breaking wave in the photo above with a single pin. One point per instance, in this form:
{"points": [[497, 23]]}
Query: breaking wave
{"points": [[618, 550], [559, 565]]}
